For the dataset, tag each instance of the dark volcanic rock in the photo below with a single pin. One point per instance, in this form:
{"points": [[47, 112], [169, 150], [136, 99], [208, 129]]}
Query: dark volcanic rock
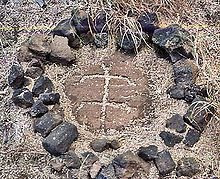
{"points": [[193, 91], [199, 113], [114, 144], [71, 160], [175, 40], [46, 123], [176, 92], [89, 158], [99, 145], [187, 167], [39, 44], [38, 109], [42, 85], [148, 22], [128, 42], [107, 172], [50, 98], [16, 77], [165, 163], [60, 139], [185, 72], [34, 72], [176, 122], [101, 40], [148, 153], [80, 20], [65, 29], [170, 139], [128, 164], [23, 98], [100, 24], [192, 137]]}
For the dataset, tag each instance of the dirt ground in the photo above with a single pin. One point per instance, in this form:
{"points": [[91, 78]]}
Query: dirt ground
{"points": [[21, 152]]}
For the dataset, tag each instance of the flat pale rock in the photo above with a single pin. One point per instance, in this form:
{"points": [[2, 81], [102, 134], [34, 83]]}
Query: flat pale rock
{"points": [[61, 52]]}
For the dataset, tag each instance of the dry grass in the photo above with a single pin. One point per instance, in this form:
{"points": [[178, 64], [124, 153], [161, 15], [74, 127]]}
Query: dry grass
{"points": [[23, 155]]}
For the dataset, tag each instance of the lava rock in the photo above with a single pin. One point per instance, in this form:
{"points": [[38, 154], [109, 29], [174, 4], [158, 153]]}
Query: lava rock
{"points": [[42, 85], [38, 109], [175, 40], [187, 167], [148, 153], [114, 144], [80, 20], [128, 164], [192, 137], [61, 52], [95, 169], [50, 98], [89, 158], [101, 40], [176, 122], [128, 42], [107, 172], [16, 77], [60, 139], [41, 3], [65, 29], [39, 44], [100, 23], [23, 98], [46, 123], [148, 22], [34, 72], [176, 92], [170, 139], [164, 163], [185, 72], [199, 114], [193, 91], [71, 160], [36, 63], [99, 145]]}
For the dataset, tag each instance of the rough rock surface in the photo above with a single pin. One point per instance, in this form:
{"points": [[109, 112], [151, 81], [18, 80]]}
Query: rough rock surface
{"points": [[176, 91], [148, 22], [100, 22], [42, 85], [34, 72], [128, 42], [71, 160], [148, 153], [165, 163], [187, 167], [16, 77], [23, 98], [38, 109], [39, 44], [108, 95], [80, 20], [107, 172], [177, 123], [185, 72], [175, 40], [99, 145], [101, 40], [128, 164], [50, 98], [199, 114], [46, 123], [170, 139], [89, 158], [192, 137], [65, 29], [61, 52], [60, 139]]}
